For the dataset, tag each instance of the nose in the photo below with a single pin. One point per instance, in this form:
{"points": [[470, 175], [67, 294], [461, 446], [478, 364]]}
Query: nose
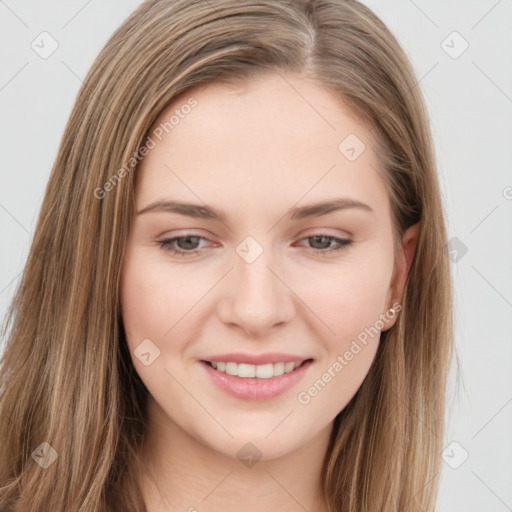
{"points": [[255, 297]]}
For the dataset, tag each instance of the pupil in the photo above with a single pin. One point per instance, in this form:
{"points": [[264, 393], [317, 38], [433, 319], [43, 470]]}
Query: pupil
{"points": [[186, 241], [325, 245]]}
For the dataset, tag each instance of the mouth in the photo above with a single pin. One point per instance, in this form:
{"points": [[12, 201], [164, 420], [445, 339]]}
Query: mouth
{"points": [[260, 371], [255, 382]]}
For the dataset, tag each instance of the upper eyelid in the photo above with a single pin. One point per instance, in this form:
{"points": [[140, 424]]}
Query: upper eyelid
{"points": [[317, 232]]}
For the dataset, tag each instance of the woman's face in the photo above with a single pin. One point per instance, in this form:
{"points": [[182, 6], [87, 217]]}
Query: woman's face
{"points": [[269, 282]]}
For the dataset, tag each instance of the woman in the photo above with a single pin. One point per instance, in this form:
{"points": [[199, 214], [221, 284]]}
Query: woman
{"points": [[238, 293]]}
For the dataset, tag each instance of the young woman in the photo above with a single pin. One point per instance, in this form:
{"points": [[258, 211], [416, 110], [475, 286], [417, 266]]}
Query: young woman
{"points": [[238, 294]]}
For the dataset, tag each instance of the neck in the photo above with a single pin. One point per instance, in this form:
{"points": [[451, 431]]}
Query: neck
{"points": [[183, 474]]}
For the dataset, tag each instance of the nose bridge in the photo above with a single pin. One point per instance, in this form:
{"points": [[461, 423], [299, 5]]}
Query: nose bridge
{"points": [[256, 299]]}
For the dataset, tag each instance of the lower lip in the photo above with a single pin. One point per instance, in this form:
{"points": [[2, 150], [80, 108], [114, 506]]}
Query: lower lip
{"points": [[254, 388]]}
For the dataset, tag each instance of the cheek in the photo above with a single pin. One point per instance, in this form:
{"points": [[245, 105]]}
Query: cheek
{"points": [[141, 305], [349, 302], [347, 299], [150, 306], [156, 300]]}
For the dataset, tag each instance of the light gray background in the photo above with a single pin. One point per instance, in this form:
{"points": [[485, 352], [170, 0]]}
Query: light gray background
{"points": [[470, 102]]}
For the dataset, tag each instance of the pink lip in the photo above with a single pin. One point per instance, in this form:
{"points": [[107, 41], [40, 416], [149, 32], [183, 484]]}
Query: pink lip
{"points": [[254, 388], [274, 357]]}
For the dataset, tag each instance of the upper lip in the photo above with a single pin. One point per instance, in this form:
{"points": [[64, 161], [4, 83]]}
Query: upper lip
{"points": [[256, 359]]}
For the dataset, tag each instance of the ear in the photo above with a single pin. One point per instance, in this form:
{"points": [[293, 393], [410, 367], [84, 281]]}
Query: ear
{"points": [[400, 272]]}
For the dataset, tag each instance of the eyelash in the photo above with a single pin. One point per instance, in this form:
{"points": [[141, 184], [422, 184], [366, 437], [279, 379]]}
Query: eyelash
{"points": [[166, 244]]}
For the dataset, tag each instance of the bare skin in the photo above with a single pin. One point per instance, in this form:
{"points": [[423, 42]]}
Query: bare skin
{"points": [[256, 153]]}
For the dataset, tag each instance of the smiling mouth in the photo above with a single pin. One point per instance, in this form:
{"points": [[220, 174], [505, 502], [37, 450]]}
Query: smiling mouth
{"points": [[260, 371]]}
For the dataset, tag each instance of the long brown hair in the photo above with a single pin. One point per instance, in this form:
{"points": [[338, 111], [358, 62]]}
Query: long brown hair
{"points": [[66, 375]]}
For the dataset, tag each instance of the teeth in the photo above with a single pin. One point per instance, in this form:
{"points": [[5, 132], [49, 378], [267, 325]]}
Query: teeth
{"points": [[278, 369], [260, 371], [288, 367]]}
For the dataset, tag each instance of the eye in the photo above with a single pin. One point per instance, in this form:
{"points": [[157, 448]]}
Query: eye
{"points": [[324, 241], [188, 244], [184, 246]]}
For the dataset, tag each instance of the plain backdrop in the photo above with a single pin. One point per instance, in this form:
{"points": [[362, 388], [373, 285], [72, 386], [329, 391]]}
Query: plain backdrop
{"points": [[461, 51]]}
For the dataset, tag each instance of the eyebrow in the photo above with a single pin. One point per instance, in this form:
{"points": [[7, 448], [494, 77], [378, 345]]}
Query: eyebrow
{"points": [[211, 213]]}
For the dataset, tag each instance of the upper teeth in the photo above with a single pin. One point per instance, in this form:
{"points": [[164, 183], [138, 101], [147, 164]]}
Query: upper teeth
{"points": [[261, 371]]}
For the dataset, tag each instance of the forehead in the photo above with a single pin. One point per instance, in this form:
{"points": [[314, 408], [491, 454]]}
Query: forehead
{"points": [[274, 139]]}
